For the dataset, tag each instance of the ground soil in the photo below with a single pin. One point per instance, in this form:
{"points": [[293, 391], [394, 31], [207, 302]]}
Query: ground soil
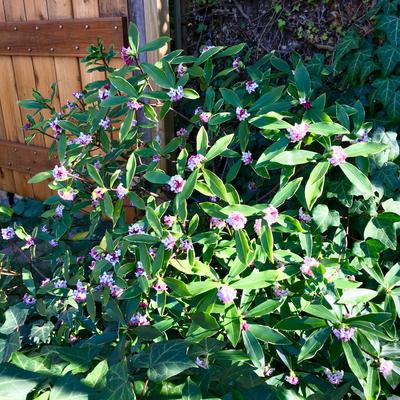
{"points": [[285, 26]]}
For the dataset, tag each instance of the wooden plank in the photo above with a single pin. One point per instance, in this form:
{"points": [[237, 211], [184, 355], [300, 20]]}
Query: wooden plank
{"points": [[24, 158], [6, 175], [69, 38], [113, 8], [14, 10], [87, 9], [67, 68], [45, 76]]}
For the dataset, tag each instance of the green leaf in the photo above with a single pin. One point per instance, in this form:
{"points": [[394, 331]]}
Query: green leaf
{"points": [[190, 94], [267, 99], [259, 279], [357, 296], [232, 324], [364, 149], [247, 211], [202, 141], [154, 221], [302, 80], [295, 157], [143, 238], [108, 205], [164, 359], [242, 245], [389, 57], [230, 97], [267, 241], [157, 176], [264, 308], [356, 359], [40, 177], [254, 349], [219, 147], [130, 170], [297, 323], [191, 391], [124, 86], [220, 118], [190, 184], [373, 387], [313, 344], [15, 317], [269, 335], [315, 183], [133, 37], [155, 44], [215, 184], [94, 174], [327, 129], [286, 192], [158, 76]]}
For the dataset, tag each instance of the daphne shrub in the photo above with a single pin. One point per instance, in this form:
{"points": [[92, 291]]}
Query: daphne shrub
{"points": [[261, 260]]}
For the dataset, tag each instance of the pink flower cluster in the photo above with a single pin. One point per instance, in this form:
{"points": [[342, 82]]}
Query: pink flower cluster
{"points": [[236, 220], [257, 226], [304, 217], [279, 292], [121, 191], [344, 334], [67, 194], [175, 94], [241, 114], [80, 294], [159, 286], [134, 229], [338, 156], [247, 157], [217, 223], [335, 378], [251, 87], [139, 320], [134, 105], [8, 233], [113, 257], [292, 379], [169, 220], [385, 367], [226, 294], [169, 242], [176, 184], [60, 173], [308, 263], [298, 131], [127, 56], [271, 215], [194, 161], [28, 299], [182, 132]]}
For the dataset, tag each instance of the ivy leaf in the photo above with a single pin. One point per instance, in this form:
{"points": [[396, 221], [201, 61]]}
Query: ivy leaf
{"points": [[345, 45], [324, 218], [389, 57], [164, 360], [15, 317], [97, 377], [8, 345], [15, 383], [390, 24], [381, 228], [118, 385], [191, 391], [41, 333], [69, 387]]}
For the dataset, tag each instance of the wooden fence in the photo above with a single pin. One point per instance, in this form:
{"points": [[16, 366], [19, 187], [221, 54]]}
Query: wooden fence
{"points": [[40, 43]]}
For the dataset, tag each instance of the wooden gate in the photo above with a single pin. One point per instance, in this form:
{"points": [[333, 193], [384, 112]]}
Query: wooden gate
{"points": [[40, 43]]}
